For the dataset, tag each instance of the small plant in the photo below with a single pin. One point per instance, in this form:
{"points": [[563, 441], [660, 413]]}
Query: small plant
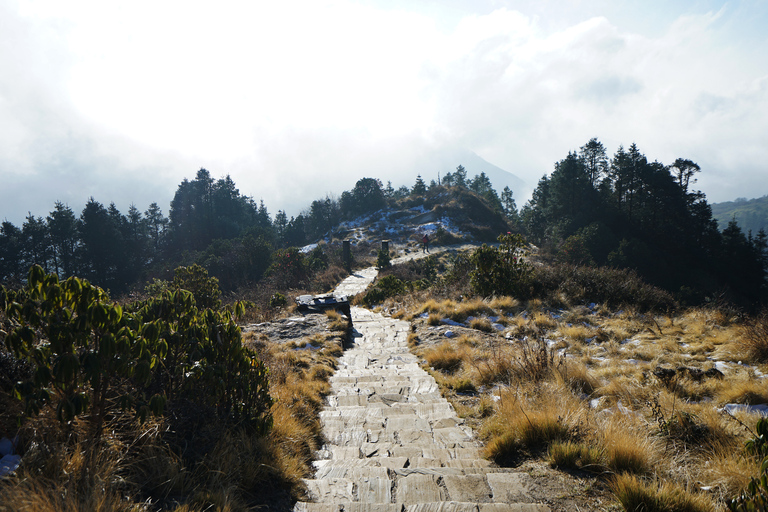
{"points": [[755, 497], [387, 286], [277, 300], [384, 260], [444, 357]]}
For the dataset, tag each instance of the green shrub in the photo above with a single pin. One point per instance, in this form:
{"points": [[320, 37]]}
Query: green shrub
{"points": [[277, 300], [609, 286], [195, 280], [90, 355], [383, 261], [387, 286], [501, 270]]}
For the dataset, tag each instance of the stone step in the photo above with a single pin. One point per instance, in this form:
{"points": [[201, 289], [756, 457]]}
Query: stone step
{"points": [[417, 485], [443, 506]]}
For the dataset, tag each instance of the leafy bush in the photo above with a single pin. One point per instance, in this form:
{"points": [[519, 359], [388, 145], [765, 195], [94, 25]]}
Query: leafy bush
{"points": [[387, 286], [92, 356], [195, 279], [288, 267], [501, 270], [384, 260], [610, 286], [277, 300]]}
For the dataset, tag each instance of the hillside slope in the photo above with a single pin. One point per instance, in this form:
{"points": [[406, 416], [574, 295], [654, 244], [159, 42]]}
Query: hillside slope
{"points": [[447, 215], [750, 214]]}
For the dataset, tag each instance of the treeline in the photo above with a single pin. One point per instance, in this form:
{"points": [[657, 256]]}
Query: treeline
{"points": [[623, 212], [628, 212], [209, 222]]}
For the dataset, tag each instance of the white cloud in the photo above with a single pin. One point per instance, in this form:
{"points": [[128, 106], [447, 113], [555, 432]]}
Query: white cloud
{"points": [[299, 99]]}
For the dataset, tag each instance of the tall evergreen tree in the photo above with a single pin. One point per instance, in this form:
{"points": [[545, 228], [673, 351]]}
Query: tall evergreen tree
{"points": [[63, 230], [419, 188], [36, 241], [12, 263], [595, 160]]}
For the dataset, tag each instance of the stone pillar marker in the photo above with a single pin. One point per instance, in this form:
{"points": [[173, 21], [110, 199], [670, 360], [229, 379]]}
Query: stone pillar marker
{"points": [[347, 255], [385, 246]]}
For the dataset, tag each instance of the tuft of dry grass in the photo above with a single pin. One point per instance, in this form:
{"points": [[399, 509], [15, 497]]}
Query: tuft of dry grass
{"points": [[626, 451], [634, 494], [576, 333], [754, 338], [504, 304], [574, 455], [445, 357], [743, 391], [481, 324], [576, 376], [337, 321], [529, 425]]}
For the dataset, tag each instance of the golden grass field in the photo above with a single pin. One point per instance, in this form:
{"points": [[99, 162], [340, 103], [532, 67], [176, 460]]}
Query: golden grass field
{"points": [[584, 390]]}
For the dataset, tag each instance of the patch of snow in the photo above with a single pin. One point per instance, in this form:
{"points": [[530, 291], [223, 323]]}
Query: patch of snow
{"points": [[309, 346], [449, 334], [761, 409], [454, 323], [498, 327], [307, 248], [9, 464]]}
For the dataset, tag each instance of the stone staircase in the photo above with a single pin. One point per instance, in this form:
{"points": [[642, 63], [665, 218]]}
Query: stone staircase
{"points": [[394, 444]]}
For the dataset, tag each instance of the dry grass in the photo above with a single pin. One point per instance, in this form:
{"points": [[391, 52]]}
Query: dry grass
{"points": [[651, 450], [574, 455], [627, 449], [337, 321], [743, 391], [445, 357], [576, 333], [754, 339], [481, 324], [527, 424], [634, 494]]}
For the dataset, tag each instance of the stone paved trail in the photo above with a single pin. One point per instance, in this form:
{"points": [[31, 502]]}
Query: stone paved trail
{"points": [[394, 444]]}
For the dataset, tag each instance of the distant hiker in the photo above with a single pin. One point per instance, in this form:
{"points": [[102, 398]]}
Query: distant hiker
{"points": [[425, 240]]}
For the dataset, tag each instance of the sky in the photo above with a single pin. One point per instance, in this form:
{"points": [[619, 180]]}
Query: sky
{"points": [[296, 100]]}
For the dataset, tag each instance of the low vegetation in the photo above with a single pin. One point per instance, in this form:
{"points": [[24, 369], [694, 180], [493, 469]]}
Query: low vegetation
{"points": [[156, 404], [629, 392]]}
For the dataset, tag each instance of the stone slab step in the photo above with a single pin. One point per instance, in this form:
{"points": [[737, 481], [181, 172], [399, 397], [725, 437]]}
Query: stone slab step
{"points": [[444, 506]]}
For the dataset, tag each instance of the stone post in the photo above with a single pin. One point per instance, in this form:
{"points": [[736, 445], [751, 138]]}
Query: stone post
{"points": [[347, 255]]}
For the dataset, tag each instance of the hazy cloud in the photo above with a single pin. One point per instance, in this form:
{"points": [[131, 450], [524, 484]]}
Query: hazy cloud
{"points": [[300, 99]]}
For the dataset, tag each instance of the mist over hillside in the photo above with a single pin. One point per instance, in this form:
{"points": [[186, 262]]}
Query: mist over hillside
{"points": [[749, 214]]}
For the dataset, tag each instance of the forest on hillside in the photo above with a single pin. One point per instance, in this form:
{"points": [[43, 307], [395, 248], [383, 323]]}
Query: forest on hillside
{"points": [[750, 214], [624, 212]]}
